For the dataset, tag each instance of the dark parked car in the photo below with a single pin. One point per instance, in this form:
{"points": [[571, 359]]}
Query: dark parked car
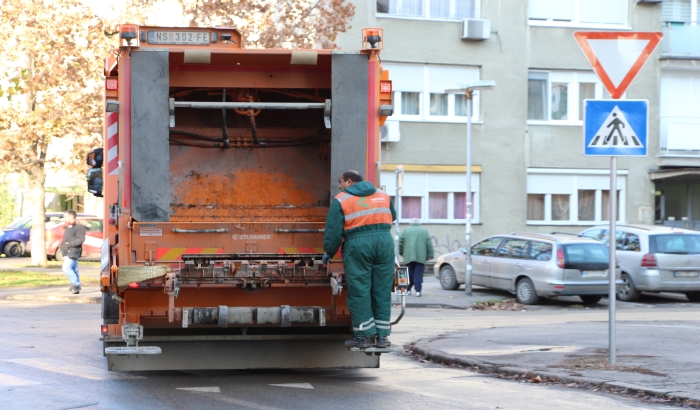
{"points": [[15, 240]]}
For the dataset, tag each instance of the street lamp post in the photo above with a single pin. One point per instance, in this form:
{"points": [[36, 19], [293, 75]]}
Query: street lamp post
{"points": [[468, 90]]}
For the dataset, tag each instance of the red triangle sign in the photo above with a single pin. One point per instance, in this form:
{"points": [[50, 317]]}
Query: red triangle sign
{"points": [[617, 57]]}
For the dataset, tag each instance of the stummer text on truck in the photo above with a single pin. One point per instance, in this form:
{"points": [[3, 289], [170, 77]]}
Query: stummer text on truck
{"points": [[218, 167]]}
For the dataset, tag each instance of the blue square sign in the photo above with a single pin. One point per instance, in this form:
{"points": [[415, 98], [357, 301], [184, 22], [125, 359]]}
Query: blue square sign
{"points": [[615, 128]]}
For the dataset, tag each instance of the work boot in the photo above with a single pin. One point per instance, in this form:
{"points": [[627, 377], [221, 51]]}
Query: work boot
{"points": [[74, 289], [358, 341], [383, 341]]}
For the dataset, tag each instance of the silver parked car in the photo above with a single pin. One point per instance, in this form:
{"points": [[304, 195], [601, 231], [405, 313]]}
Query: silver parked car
{"points": [[532, 265], [655, 258]]}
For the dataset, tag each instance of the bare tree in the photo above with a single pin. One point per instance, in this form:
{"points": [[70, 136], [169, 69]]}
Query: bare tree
{"points": [[275, 24], [50, 88]]}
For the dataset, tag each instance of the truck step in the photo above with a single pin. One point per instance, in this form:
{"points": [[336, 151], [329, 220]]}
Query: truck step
{"points": [[388, 349], [129, 350]]}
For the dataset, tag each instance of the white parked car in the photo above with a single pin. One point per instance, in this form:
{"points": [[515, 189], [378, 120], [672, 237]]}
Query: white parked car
{"points": [[655, 258]]}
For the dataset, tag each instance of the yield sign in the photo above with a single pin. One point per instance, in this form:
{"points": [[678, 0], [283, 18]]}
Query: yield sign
{"points": [[617, 57]]}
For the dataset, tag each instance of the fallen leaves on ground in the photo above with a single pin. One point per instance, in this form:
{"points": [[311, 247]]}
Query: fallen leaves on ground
{"points": [[505, 304]]}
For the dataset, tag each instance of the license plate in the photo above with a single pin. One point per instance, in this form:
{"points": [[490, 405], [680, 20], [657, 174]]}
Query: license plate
{"points": [[686, 274], [594, 273], [179, 37]]}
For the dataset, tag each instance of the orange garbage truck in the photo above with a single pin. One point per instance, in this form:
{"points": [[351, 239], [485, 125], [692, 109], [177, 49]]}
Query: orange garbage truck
{"points": [[217, 170]]}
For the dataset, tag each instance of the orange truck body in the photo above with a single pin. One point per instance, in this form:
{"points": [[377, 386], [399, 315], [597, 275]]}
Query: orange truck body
{"points": [[231, 199]]}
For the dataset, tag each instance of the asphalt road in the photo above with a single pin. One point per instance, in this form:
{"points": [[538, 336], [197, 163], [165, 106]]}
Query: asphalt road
{"points": [[50, 358]]}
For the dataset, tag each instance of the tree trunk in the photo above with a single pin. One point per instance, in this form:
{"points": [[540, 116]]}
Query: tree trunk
{"points": [[37, 178]]}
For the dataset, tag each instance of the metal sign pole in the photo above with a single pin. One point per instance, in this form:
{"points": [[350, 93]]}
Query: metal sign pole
{"points": [[612, 242], [397, 206], [468, 270]]}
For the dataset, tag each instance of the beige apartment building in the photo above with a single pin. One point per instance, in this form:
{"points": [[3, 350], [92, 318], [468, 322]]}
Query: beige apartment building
{"points": [[529, 172]]}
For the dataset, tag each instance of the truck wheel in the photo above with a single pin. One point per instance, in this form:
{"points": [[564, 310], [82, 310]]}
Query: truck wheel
{"points": [[448, 279], [590, 299], [627, 292], [693, 296], [110, 309], [525, 292], [13, 250]]}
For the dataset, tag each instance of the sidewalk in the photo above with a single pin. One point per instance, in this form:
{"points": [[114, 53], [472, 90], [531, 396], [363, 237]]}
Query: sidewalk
{"points": [[88, 294]]}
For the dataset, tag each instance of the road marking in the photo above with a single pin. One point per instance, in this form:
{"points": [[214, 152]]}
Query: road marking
{"points": [[238, 402], [7, 380], [214, 389], [86, 372], [295, 385]]}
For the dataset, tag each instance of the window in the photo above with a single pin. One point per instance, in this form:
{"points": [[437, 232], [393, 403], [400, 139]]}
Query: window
{"points": [[419, 92], [486, 247], [540, 251], [429, 9], [578, 13], [557, 96], [410, 207], [434, 197], [571, 197], [513, 248]]}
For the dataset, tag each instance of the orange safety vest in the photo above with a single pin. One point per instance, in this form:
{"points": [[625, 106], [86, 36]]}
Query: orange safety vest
{"points": [[365, 210]]}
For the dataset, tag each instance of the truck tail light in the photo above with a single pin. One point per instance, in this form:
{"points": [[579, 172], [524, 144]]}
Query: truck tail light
{"points": [[560, 258], [133, 285], [649, 261], [103, 330]]}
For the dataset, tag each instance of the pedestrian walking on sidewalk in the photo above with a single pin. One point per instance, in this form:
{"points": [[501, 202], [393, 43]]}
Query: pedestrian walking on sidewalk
{"points": [[72, 249], [361, 215], [416, 247]]}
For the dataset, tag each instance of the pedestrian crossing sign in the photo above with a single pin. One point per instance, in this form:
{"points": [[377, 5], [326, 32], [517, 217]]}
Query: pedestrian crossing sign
{"points": [[615, 128]]}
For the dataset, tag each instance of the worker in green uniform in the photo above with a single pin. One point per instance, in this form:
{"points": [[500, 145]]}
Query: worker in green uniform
{"points": [[360, 219]]}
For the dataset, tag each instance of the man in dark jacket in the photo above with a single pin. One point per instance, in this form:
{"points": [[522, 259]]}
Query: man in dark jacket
{"points": [[71, 249], [416, 247], [361, 215]]}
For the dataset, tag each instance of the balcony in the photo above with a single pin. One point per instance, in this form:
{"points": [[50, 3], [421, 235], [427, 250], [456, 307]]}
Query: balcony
{"points": [[680, 137], [681, 39]]}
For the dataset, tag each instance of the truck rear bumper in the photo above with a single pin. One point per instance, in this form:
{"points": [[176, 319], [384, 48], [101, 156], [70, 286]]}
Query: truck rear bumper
{"points": [[241, 352]]}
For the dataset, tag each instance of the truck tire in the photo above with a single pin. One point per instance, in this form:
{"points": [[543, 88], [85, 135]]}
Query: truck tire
{"points": [[13, 250], [110, 309]]}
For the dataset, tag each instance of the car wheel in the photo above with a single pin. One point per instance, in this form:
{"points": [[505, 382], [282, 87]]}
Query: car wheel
{"points": [[448, 279], [59, 255], [693, 296], [525, 292], [627, 292], [13, 250], [590, 299]]}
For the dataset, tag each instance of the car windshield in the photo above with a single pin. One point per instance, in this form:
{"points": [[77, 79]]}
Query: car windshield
{"points": [[586, 253], [18, 223], [679, 244]]}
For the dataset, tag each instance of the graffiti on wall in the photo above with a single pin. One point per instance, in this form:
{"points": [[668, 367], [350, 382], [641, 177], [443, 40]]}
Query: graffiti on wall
{"points": [[446, 246]]}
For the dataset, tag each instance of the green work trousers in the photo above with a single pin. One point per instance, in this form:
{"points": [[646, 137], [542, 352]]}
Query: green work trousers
{"points": [[369, 272]]}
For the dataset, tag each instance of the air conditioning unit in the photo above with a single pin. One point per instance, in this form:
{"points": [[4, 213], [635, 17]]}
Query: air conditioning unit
{"points": [[476, 29], [390, 131]]}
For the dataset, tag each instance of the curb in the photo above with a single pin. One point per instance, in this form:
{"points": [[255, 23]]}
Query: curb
{"points": [[417, 349]]}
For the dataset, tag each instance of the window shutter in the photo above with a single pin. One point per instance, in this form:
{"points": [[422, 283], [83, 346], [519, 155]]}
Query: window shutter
{"points": [[405, 77], [441, 78], [562, 10], [603, 11], [675, 10]]}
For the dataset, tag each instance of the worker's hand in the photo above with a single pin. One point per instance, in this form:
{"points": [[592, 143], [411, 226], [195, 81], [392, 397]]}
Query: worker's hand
{"points": [[325, 258], [429, 259]]}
